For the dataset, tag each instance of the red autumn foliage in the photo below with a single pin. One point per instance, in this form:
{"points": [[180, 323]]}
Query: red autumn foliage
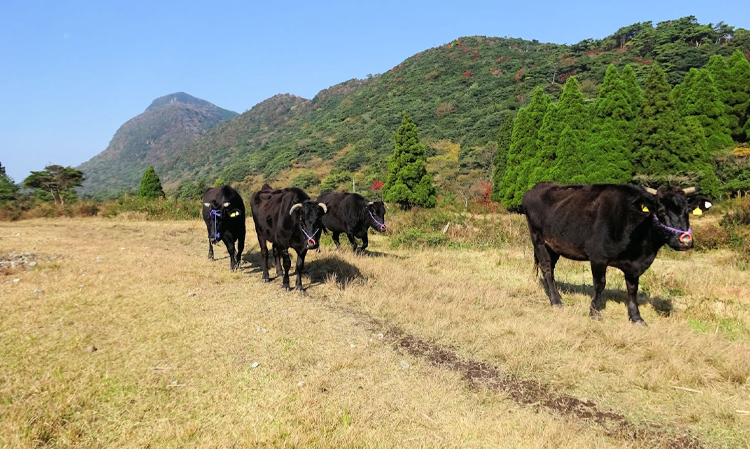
{"points": [[647, 62], [467, 73], [376, 185], [519, 73], [498, 59], [486, 191], [476, 52]]}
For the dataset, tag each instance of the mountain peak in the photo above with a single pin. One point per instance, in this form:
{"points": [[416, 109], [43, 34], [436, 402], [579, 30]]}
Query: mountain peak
{"points": [[177, 97]]}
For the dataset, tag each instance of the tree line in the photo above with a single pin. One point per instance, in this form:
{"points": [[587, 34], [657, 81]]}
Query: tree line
{"points": [[653, 135]]}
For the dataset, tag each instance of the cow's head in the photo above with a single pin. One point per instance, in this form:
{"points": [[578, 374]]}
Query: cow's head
{"points": [[670, 209], [218, 216], [308, 216], [376, 215]]}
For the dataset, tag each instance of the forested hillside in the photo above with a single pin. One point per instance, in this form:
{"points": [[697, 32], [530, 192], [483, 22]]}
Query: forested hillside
{"points": [[167, 126], [458, 94]]}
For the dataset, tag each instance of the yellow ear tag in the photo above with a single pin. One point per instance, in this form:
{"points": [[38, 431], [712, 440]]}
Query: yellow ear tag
{"points": [[234, 214], [697, 211], [644, 208]]}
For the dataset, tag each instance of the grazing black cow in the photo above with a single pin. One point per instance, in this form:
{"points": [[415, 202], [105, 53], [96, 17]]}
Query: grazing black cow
{"points": [[288, 219], [224, 214], [621, 226], [353, 215]]}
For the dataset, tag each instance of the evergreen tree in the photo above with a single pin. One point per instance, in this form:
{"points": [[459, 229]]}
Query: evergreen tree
{"points": [[57, 180], [664, 145], [150, 185], [607, 156], [523, 147], [576, 130], [548, 139], [501, 157], [408, 182], [702, 162], [739, 95], [633, 90], [8, 188], [698, 97]]}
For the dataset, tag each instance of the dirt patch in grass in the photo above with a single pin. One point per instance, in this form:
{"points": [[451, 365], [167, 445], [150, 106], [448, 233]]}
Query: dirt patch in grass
{"points": [[526, 392]]}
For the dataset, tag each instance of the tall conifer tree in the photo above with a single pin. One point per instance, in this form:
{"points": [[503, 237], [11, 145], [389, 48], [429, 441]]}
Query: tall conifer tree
{"points": [[701, 162], [608, 156], [698, 97], [150, 185], [408, 182], [523, 147], [501, 157], [739, 96], [633, 90]]}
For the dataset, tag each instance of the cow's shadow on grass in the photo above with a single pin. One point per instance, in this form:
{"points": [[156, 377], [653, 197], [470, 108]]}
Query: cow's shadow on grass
{"points": [[251, 263], [332, 269], [620, 296]]}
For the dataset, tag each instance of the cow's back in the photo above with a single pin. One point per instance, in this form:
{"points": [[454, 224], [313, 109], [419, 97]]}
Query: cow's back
{"points": [[578, 220], [345, 210], [270, 209]]}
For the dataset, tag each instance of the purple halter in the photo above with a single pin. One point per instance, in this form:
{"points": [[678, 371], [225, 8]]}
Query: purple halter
{"points": [[309, 238], [216, 214], [682, 233], [382, 225]]}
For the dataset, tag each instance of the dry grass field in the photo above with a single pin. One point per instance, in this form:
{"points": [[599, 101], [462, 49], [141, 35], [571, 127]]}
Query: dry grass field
{"points": [[123, 334]]}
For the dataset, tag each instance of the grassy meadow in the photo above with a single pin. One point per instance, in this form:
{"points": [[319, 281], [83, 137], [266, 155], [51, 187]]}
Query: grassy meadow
{"points": [[124, 334]]}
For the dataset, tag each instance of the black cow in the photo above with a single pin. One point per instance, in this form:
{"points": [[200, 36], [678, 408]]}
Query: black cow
{"points": [[353, 215], [224, 214], [621, 226], [288, 219]]}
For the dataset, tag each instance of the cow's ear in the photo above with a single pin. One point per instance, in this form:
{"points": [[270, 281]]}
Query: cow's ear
{"points": [[699, 204], [644, 205]]}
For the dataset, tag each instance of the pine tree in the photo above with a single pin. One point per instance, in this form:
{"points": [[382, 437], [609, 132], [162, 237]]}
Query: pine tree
{"points": [[633, 90], [607, 156], [701, 162], [8, 188], [57, 180], [150, 185], [698, 97], [523, 147], [562, 138], [662, 139], [739, 95], [408, 182], [501, 157]]}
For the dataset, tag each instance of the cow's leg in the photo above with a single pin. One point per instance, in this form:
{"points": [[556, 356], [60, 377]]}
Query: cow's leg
{"points": [[544, 259], [631, 282], [352, 240], [365, 242], [210, 250], [264, 259], [287, 266], [240, 248], [599, 273], [335, 236], [230, 249], [277, 261], [299, 267]]}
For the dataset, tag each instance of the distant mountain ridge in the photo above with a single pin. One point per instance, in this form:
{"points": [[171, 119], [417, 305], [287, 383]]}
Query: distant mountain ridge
{"points": [[457, 93], [168, 125]]}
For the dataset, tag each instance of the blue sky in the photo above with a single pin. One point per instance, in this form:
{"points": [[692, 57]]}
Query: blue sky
{"points": [[72, 72]]}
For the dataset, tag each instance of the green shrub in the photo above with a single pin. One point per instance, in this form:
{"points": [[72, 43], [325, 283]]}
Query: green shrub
{"points": [[416, 238]]}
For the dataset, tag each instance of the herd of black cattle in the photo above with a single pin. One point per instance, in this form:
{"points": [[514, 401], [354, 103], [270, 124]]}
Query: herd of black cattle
{"points": [[617, 225]]}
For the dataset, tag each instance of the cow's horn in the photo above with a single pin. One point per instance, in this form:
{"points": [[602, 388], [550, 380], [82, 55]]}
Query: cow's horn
{"points": [[370, 203], [650, 190], [294, 207], [207, 204], [325, 208], [226, 204], [689, 190]]}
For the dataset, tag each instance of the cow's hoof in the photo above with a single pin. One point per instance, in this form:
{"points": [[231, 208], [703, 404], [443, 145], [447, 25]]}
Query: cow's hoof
{"points": [[595, 315], [266, 280], [640, 323], [557, 306], [285, 288], [300, 291]]}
